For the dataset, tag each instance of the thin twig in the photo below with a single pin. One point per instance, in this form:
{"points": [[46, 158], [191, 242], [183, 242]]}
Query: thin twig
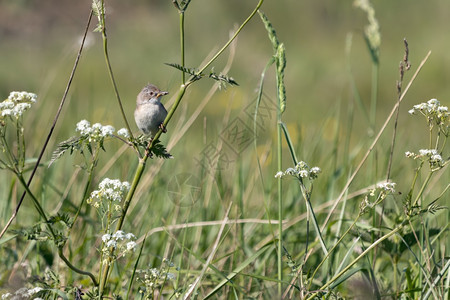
{"points": [[347, 185], [41, 154]]}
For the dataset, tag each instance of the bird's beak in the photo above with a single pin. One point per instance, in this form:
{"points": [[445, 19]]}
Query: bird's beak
{"points": [[162, 94]]}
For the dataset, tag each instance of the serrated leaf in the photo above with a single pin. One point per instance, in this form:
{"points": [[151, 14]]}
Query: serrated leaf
{"points": [[160, 151], [190, 71], [64, 218], [71, 144], [223, 78]]}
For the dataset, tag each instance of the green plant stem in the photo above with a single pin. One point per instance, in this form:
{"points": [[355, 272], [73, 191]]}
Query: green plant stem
{"points": [[373, 245], [44, 147], [52, 232], [422, 189], [374, 94], [72, 267], [10, 156], [87, 186], [110, 71], [280, 206], [183, 75], [332, 249], [142, 161], [232, 38]]}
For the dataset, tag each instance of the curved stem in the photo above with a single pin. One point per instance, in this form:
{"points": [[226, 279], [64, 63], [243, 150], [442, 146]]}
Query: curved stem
{"points": [[142, 161], [183, 75], [332, 249], [79, 271], [232, 38], [63, 100], [52, 232], [111, 76], [326, 285]]}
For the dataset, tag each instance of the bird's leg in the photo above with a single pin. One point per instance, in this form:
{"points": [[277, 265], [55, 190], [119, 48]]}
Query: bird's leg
{"points": [[162, 127]]}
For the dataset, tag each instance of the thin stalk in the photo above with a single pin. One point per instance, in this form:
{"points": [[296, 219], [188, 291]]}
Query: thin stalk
{"points": [[422, 189], [232, 38], [126, 205], [375, 141], [280, 206], [41, 154], [72, 267], [142, 161], [183, 75], [332, 249], [374, 94], [364, 253], [52, 232], [110, 71]]}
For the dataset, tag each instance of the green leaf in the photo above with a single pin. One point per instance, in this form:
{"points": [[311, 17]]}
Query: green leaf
{"points": [[160, 151], [190, 71], [71, 144], [223, 78]]}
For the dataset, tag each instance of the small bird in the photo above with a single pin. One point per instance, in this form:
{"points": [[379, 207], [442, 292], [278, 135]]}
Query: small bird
{"points": [[150, 113]]}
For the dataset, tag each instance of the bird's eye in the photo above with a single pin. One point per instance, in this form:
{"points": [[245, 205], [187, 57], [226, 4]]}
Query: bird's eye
{"points": [[151, 93]]}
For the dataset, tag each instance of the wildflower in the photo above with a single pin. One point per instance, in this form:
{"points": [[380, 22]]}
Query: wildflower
{"points": [[119, 235], [22, 97], [409, 154], [107, 130], [434, 112], [84, 127], [96, 132], [106, 237], [17, 103], [123, 132], [301, 170], [387, 186], [290, 171], [111, 243], [130, 236], [303, 173], [131, 246], [279, 174], [110, 190], [118, 243]]}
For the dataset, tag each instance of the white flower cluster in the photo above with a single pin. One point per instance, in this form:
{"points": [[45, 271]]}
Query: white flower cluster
{"points": [[380, 192], [123, 132], [433, 111], [120, 241], [152, 278], [387, 186], [96, 132], [16, 104], [22, 293], [430, 155], [111, 190], [301, 170]]}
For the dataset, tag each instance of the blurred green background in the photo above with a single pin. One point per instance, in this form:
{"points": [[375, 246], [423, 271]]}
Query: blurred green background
{"points": [[39, 41]]}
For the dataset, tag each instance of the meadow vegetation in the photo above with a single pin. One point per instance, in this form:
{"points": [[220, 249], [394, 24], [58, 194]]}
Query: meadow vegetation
{"points": [[281, 175]]}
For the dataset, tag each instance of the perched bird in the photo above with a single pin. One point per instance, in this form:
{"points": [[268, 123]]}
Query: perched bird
{"points": [[150, 113]]}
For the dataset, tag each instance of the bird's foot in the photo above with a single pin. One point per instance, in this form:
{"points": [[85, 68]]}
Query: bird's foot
{"points": [[162, 127]]}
